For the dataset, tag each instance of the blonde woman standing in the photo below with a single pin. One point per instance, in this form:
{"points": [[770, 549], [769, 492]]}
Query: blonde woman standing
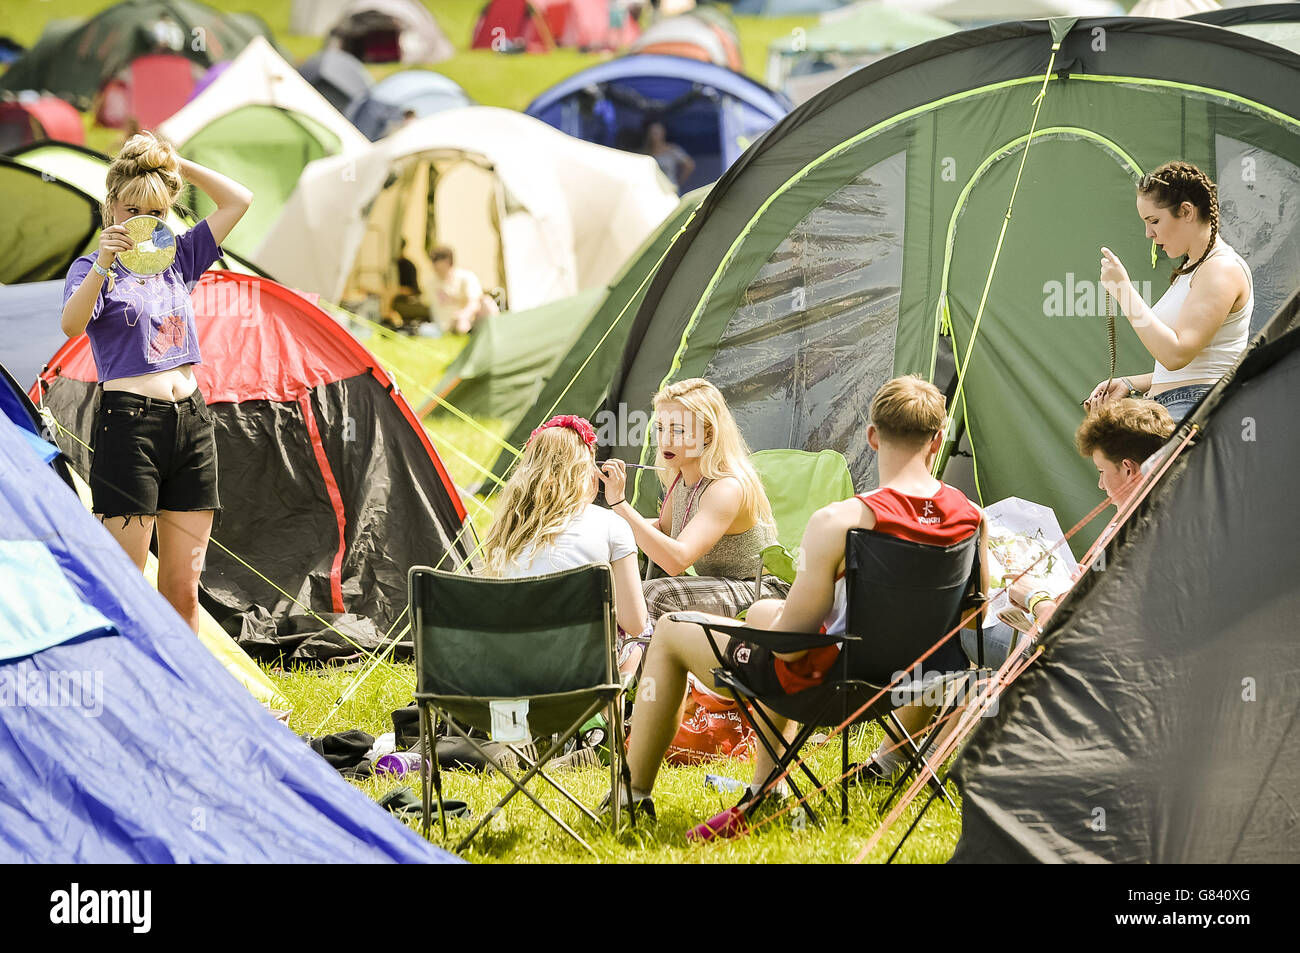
{"points": [[155, 455], [546, 520], [715, 516]]}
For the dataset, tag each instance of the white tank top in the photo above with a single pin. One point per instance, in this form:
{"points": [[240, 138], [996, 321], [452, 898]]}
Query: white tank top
{"points": [[1221, 354]]}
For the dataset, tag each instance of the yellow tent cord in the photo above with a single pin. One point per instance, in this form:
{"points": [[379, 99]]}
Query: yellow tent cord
{"points": [[963, 363]]}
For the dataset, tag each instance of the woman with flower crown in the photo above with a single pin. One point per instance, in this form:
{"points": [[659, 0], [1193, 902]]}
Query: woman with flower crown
{"points": [[547, 521]]}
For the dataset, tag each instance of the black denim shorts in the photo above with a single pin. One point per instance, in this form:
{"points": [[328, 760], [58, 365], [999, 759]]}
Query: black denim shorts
{"points": [[152, 455]]}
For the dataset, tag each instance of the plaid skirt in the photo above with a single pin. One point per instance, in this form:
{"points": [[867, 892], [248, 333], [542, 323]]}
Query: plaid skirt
{"points": [[713, 594]]}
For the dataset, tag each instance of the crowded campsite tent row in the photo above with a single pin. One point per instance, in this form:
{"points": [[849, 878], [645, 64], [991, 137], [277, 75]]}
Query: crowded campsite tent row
{"points": [[76, 62], [332, 490], [528, 209], [779, 296], [139, 747], [1209, 645], [260, 123], [707, 111]]}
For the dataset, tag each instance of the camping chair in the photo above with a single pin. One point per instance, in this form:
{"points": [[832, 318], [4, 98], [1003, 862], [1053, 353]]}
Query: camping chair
{"points": [[535, 653], [903, 597], [798, 483]]}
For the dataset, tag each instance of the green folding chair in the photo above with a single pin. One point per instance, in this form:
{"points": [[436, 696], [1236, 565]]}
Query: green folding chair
{"points": [[516, 658], [798, 483]]}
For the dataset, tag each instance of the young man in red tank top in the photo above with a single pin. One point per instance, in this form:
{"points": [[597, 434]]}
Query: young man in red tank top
{"points": [[906, 431]]}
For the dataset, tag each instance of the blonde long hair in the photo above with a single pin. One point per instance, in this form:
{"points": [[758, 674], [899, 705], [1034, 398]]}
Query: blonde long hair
{"points": [[725, 452], [549, 487], [146, 173]]}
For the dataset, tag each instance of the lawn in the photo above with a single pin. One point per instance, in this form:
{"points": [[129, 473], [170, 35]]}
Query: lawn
{"points": [[521, 834]]}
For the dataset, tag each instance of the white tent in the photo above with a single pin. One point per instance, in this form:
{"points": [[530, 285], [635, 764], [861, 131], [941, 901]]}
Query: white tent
{"points": [[1172, 9], [528, 209], [419, 38], [315, 17], [995, 11], [259, 76]]}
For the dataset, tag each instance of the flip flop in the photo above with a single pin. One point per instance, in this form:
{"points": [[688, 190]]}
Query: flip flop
{"points": [[405, 805]]}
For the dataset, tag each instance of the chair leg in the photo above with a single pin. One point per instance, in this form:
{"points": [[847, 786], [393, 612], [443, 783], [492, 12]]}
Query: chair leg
{"points": [[520, 784], [917, 759]]}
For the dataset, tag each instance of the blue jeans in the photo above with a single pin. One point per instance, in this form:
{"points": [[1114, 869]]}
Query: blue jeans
{"points": [[1180, 401], [998, 640]]}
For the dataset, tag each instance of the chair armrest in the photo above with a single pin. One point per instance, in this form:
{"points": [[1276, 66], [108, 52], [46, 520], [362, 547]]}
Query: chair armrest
{"points": [[781, 642]]}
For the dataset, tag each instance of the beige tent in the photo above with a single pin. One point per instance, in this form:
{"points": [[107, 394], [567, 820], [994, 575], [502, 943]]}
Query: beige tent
{"points": [[530, 210]]}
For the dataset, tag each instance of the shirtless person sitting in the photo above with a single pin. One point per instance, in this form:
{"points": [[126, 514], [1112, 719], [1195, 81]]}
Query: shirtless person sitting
{"points": [[458, 298]]}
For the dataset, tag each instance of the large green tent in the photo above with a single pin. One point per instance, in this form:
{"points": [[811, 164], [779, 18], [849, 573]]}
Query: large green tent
{"points": [[576, 380], [856, 240], [51, 193], [74, 64]]}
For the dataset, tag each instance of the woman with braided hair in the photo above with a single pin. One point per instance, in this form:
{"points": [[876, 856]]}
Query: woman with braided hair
{"points": [[1199, 327]]}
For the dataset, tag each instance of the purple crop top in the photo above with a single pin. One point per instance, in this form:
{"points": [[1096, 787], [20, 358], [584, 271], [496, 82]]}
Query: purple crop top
{"points": [[146, 324]]}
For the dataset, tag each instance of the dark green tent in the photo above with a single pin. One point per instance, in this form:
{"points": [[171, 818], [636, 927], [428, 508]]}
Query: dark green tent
{"points": [[579, 381], [74, 64], [853, 242], [1159, 725]]}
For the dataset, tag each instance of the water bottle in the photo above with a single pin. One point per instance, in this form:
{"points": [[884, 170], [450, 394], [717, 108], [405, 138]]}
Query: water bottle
{"points": [[720, 783], [400, 762]]}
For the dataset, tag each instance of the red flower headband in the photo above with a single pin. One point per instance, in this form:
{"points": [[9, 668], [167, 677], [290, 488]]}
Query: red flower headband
{"points": [[579, 425]]}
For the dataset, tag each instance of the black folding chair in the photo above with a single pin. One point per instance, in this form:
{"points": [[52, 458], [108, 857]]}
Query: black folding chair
{"points": [[902, 598], [547, 640]]}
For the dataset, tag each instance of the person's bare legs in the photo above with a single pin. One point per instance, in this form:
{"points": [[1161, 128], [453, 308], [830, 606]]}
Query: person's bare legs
{"points": [[677, 648], [761, 615], [133, 533], [182, 545]]}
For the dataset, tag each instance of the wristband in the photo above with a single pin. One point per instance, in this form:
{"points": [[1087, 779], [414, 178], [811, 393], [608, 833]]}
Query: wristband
{"points": [[1039, 596], [99, 269], [616, 502]]}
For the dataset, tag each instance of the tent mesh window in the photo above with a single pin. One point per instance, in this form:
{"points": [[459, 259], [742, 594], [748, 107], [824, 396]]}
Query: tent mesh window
{"points": [[816, 327]]}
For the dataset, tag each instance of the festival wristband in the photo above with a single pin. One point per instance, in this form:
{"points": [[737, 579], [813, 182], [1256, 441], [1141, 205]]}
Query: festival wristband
{"points": [[99, 269], [1036, 598]]}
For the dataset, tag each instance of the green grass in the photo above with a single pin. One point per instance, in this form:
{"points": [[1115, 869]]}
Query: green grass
{"points": [[521, 834]]}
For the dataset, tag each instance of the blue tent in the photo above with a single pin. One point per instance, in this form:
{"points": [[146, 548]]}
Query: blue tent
{"points": [[29, 327], [121, 738], [784, 8], [708, 110], [379, 110]]}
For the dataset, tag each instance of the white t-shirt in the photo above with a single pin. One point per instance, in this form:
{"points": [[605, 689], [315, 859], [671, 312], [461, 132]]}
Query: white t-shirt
{"points": [[595, 535]]}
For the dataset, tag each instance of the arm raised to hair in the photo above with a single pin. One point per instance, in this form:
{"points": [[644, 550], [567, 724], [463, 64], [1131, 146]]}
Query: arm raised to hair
{"points": [[231, 199]]}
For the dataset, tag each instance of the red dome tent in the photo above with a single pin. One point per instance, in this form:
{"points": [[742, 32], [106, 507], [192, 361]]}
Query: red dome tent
{"points": [[331, 487], [27, 120]]}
